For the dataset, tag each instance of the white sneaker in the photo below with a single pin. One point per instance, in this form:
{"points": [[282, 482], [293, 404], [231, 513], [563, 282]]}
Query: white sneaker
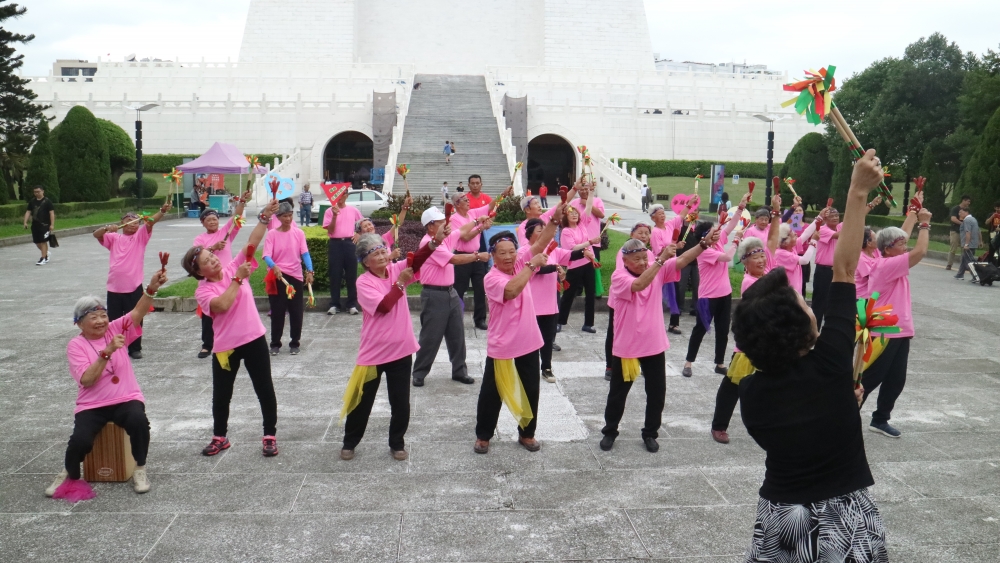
{"points": [[55, 484], [332, 311], [140, 482], [45, 260], [353, 310]]}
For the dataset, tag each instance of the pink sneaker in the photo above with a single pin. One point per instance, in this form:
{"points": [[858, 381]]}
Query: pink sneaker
{"points": [[270, 446]]}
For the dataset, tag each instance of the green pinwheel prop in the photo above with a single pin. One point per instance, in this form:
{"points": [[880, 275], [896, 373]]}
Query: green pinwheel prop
{"points": [[870, 328]]}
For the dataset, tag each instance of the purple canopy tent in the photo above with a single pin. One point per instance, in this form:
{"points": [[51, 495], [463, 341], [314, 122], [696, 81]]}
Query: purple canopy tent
{"points": [[221, 158]]}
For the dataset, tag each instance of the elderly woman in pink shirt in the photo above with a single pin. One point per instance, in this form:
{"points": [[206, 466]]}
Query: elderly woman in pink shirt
{"points": [[640, 338], [387, 346], [285, 251], [225, 294], [576, 236], [640, 232], [339, 222], [107, 390], [365, 226], [511, 371]]}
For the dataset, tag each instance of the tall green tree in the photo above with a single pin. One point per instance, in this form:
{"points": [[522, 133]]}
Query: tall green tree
{"points": [[121, 152], [82, 161], [980, 97], [809, 163], [42, 165], [981, 178], [934, 194], [19, 115], [843, 167]]}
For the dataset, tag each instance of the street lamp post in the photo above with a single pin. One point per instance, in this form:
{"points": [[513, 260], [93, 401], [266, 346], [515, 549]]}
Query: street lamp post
{"points": [[770, 151], [138, 144]]}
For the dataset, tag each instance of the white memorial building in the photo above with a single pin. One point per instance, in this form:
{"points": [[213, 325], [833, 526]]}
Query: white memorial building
{"points": [[345, 87]]}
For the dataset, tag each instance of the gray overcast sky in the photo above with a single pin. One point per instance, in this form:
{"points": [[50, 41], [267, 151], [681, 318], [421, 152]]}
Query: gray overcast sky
{"points": [[781, 34]]}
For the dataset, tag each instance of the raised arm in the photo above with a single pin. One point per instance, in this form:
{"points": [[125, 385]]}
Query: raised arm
{"points": [[923, 237], [911, 217], [258, 232], [164, 209], [775, 228], [146, 301], [549, 232], [866, 176], [517, 284]]}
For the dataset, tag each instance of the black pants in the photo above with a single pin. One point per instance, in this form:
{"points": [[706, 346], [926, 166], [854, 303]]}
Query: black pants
{"points": [[474, 272], [547, 324], [280, 303], [198, 204], [207, 332], [821, 292], [258, 363], [719, 308], [343, 266], [397, 383], [654, 370], [130, 415], [889, 371], [488, 411], [806, 271], [609, 340], [725, 404], [689, 278], [121, 304], [581, 278]]}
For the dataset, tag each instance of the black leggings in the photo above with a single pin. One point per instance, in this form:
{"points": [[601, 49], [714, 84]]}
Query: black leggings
{"points": [[207, 332], [343, 265], [547, 324], [719, 308], [806, 272], [130, 415], [397, 383], [609, 340], [725, 404], [280, 303], [821, 292], [581, 278], [255, 355], [473, 274], [488, 409], [889, 371], [121, 304], [654, 370]]}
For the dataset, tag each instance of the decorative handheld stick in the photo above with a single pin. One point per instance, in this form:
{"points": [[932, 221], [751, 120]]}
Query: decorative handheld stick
{"points": [[141, 217], [311, 300], [517, 168], [614, 219], [776, 184], [750, 186], [914, 201], [696, 178], [164, 257], [563, 194], [552, 246], [403, 170], [448, 210], [790, 182], [275, 184], [829, 202], [409, 259], [871, 319]]}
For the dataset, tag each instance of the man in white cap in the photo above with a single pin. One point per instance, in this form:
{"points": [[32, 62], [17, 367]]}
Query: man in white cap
{"points": [[440, 307]]}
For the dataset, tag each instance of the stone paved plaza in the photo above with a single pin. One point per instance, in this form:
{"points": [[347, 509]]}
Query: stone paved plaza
{"points": [[938, 487]]}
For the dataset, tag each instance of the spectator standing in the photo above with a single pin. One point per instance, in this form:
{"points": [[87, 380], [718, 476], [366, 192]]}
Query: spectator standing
{"points": [[644, 192], [543, 194], [460, 188], [453, 151], [477, 198], [305, 206], [956, 229], [447, 152], [970, 236], [43, 221], [342, 263], [444, 193]]}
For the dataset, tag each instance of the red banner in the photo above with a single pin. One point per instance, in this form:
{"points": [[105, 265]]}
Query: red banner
{"points": [[335, 191]]}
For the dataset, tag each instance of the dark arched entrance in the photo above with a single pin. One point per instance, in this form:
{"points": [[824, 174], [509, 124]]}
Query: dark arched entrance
{"points": [[550, 159], [348, 158]]}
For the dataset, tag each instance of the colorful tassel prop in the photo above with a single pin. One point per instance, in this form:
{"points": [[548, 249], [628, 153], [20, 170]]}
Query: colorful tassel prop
{"points": [[750, 186], [164, 257], [871, 319], [630, 368], [790, 182], [563, 194], [74, 490]]}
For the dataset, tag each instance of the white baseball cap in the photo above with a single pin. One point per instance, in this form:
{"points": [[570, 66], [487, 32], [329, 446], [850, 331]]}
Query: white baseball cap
{"points": [[430, 215]]}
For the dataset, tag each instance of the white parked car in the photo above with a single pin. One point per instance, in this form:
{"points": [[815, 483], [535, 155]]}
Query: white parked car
{"points": [[366, 201]]}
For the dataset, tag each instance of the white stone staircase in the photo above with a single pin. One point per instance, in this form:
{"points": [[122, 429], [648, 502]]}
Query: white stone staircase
{"points": [[457, 109]]}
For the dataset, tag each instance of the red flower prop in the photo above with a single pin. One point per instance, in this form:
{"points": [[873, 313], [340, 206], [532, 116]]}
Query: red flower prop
{"points": [[448, 210], [164, 257], [750, 186]]}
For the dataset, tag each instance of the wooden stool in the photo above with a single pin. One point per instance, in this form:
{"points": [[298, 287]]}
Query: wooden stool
{"points": [[111, 459]]}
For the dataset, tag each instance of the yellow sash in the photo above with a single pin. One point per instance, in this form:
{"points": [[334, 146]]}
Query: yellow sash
{"points": [[739, 367], [355, 388], [630, 369], [223, 358], [511, 391]]}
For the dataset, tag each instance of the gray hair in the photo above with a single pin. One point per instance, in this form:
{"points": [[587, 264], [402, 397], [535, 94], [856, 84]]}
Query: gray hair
{"points": [[762, 212], [632, 245], [654, 208], [784, 231], [285, 207], [359, 222], [748, 245], [367, 243], [526, 201], [84, 306], [888, 236]]}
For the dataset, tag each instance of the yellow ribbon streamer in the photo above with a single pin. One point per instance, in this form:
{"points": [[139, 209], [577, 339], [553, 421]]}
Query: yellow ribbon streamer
{"points": [[739, 367], [630, 369], [223, 358], [355, 388], [512, 392]]}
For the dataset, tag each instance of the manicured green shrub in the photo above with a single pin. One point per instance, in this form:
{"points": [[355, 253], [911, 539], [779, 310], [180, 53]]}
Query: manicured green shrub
{"points": [[149, 187], [690, 168], [81, 156], [809, 164], [42, 165], [121, 152]]}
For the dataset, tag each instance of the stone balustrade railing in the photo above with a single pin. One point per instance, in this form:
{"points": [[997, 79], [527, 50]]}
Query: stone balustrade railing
{"points": [[506, 141]]}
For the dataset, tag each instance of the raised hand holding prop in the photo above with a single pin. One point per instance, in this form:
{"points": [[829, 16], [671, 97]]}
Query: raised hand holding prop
{"points": [[750, 186]]}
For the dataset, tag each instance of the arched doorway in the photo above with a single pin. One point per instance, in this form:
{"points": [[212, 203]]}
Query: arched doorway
{"points": [[348, 158], [551, 159]]}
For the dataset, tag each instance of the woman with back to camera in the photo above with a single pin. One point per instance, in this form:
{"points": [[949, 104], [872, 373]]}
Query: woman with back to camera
{"points": [[801, 407]]}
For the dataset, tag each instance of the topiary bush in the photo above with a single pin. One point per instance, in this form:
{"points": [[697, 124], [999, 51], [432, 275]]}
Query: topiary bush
{"points": [[42, 165], [81, 156], [121, 152], [149, 187], [809, 163]]}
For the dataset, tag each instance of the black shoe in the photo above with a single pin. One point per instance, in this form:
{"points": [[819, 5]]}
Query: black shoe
{"points": [[293, 350], [556, 348], [275, 350], [721, 370], [651, 445], [686, 372], [607, 374], [607, 443], [418, 382], [558, 328], [204, 354], [674, 330], [464, 379], [137, 355], [590, 329], [693, 313], [481, 326]]}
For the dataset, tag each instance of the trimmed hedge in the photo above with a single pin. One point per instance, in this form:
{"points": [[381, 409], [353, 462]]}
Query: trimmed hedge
{"points": [[149, 187], [14, 212], [690, 168], [164, 163], [42, 166], [81, 154]]}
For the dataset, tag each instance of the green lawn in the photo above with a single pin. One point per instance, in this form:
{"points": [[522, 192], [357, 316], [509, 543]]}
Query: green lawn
{"points": [[64, 222], [164, 185]]}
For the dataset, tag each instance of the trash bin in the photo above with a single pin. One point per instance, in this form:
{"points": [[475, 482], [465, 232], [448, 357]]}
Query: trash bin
{"points": [[177, 200], [322, 212]]}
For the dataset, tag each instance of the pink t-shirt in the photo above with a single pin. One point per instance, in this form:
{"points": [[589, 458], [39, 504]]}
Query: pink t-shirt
{"points": [[546, 217], [82, 353], [639, 327], [591, 225], [659, 238], [570, 237], [545, 287], [438, 269], [457, 222], [127, 254], [205, 240], [861, 274], [513, 328], [384, 337], [346, 220], [793, 268], [826, 245], [753, 231], [620, 265], [890, 277], [713, 268], [241, 323], [286, 249]]}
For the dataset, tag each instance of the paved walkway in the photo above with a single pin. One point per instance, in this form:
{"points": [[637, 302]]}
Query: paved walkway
{"points": [[938, 486]]}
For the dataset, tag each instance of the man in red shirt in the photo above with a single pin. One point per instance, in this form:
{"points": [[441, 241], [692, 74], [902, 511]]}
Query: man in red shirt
{"points": [[543, 192], [476, 196]]}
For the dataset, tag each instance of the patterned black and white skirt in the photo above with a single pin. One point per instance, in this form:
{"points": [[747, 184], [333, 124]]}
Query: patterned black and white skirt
{"points": [[844, 529]]}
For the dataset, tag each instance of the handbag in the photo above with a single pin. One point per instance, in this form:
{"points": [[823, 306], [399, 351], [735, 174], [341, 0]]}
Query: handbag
{"points": [[53, 241]]}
